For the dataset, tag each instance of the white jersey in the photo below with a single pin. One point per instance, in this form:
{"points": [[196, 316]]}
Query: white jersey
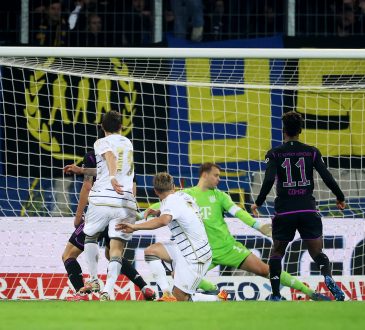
{"points": [[102, 192], [187, 227]]}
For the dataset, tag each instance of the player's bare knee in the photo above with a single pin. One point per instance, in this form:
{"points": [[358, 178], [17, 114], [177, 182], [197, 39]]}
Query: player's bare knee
{"points": [[70, 252], [152, 250], [65, 256], [314, 251], [117, 246], [68, 255]]}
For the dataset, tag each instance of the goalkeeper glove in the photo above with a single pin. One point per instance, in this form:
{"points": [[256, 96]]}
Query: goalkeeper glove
{"points": [[264, 229], [140, 215]]}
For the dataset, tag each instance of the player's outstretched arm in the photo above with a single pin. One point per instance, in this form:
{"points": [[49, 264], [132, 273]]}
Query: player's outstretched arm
{"points": [[125, 227], [263, 228], [244, 216], [155, 223], [73, 169]]}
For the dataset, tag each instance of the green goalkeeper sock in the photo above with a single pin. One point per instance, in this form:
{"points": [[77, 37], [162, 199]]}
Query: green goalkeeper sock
{"points": [[206, 285], [292, 282]]}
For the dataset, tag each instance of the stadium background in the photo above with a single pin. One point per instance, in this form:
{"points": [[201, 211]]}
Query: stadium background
{"points": [[263, 23]]}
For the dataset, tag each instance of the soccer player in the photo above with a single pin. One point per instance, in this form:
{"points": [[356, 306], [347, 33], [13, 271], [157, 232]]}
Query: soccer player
{"points": [[292, 165], [189, 251], [226, 250], [111, 200], [75, 245]]}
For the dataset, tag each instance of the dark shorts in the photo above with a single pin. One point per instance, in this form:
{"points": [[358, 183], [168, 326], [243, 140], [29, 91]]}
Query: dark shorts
{"points": [[309, 226], [78, 237]]}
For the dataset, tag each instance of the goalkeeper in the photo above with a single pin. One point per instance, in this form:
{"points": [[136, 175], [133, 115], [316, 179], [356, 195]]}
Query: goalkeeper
{"points": [[226, 250]]}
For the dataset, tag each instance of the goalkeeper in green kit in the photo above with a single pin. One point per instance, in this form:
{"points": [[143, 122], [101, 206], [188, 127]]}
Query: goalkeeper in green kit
{"points": [[226, 250]]}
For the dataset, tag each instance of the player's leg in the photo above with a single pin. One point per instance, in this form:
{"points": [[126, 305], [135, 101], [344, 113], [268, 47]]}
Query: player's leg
{"points": [[118, 241], [187, 276], [96, 219], [283, 232], [242, 258], [114, 267], [74, 272], [92, 255], [153, 256], [232, 256], [275, 271], [255, 265], [311, 230], [322, 262], [128, 270], [74, 247], [196, 296], [166, 252]]}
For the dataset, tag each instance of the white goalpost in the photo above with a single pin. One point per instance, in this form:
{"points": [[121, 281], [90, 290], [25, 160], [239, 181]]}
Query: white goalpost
{"points": [[180, 107]]}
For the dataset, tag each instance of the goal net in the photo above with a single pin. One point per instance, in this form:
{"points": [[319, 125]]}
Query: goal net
{"points": [[180, 108]]}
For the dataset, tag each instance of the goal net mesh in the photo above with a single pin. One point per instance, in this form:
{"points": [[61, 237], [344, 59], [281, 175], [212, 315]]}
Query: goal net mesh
{"points": [[178, 113]]}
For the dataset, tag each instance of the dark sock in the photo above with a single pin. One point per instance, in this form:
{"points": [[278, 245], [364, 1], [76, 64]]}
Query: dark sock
{"points": [[275, 271], [129, 271], [323, 264], [74, 273]]}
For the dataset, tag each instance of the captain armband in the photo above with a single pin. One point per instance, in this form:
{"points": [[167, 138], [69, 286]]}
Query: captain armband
{"points": [[234, 209]]}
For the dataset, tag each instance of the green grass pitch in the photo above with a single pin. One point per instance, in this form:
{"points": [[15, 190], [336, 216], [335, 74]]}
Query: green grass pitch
{"points": [[27, 315]]}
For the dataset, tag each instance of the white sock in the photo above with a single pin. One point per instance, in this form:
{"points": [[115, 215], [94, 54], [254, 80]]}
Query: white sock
{"points": [[91, 251], [204, 297], [114, 268], [159, 274]]}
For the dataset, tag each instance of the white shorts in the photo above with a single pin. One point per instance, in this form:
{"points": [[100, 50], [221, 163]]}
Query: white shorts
{"points": [[98, 217], [187, 275]]}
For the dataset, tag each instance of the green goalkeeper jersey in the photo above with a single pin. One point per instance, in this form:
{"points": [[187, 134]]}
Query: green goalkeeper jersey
{"points": [[213, 203]]}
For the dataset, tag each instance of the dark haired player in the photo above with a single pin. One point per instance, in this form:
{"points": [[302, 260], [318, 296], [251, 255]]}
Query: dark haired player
{"points": [[75, 245], [292, 165]]}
